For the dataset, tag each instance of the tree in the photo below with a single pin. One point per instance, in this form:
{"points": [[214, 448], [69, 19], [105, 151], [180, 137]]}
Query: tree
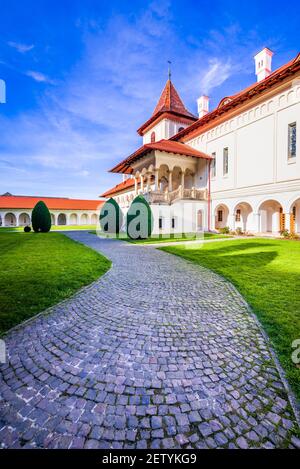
{"points": [[41, 218], [139, 219], [111, 217]]}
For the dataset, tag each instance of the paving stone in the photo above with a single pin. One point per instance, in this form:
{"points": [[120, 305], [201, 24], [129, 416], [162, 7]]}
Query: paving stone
{"points": [[158, 353]]}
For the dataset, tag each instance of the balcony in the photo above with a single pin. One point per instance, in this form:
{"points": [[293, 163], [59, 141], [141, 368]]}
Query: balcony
{"points": [[158, 197]]}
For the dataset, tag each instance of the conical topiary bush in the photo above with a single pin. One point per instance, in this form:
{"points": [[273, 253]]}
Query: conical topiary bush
{"points": [[41, 218], [139, 221], [111, 217]]}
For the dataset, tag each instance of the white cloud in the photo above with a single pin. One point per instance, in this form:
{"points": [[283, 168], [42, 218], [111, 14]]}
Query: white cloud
{"points": [[40, 77], [88, 122], [22, 48], [218, 71]]}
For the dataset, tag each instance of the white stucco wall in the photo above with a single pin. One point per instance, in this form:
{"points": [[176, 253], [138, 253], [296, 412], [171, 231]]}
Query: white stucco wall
{"points": [[165, 129], [87, 217], [259, 168]]}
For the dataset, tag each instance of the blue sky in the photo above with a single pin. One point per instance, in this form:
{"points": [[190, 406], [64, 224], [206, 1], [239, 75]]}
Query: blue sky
{"points": [[82, 76]]}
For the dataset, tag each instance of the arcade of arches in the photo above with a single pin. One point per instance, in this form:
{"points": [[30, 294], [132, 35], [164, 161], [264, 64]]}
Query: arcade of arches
{"points": [[270, 217]]}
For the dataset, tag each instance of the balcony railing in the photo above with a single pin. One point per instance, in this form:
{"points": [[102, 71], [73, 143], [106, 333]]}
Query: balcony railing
{"points": [[158, 197]]}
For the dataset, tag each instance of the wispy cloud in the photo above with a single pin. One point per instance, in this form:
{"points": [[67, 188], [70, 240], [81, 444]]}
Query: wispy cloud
{"points": [[40, 77], [20, 47], [217, 73], [88, 122]]}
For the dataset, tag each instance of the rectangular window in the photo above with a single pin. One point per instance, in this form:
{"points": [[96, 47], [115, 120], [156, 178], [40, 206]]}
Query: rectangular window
{"points": [[238, 215], [292, 140], [225, 161], [160, 223], [173, 222], [213, 166], [220, 215]]}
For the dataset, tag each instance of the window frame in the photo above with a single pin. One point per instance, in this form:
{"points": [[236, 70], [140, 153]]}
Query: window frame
{"points": [[292, 127], [238, 215], [213, 166], [225, 161], [220, 215]]}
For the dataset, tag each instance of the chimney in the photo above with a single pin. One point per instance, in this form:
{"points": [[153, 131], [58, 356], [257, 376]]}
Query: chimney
{"points": [[203, 106], [263, 64]]}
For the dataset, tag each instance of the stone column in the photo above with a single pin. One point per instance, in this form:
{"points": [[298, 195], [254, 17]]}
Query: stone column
{"points": [[142, 183], [156, 181], [148, 179], [287, 222], [135, 185], [170, 181], [231, 221], [182, 179], [256, 223]]}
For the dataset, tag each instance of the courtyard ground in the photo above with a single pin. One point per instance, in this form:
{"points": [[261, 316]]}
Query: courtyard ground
{"points": [[158, 353], [267, 273], [39, 270]]}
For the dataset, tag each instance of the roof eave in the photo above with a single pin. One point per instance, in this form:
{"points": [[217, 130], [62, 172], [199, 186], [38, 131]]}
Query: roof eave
{"points": [[141, 130], [268, 83]]}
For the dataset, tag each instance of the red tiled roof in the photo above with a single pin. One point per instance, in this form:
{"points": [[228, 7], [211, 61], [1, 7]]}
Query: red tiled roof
{"points": [[53, 203], [231, 102], [119, 187], [162, 145], [171, 103]]}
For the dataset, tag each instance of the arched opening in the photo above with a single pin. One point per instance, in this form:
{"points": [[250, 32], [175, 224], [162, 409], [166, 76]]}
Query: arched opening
{"points": [[73, 219], [221, 216], [94, 219], [243, 216], [200, 220], [152, 137], [180, 129], [295, 217], [52, 218], [272, 219], [163, 178], [61, 219], [176, 178], [10, 219], [84, 219], [24, 219], [188, 179]]}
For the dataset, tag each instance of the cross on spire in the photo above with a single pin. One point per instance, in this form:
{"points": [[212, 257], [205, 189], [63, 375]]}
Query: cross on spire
{"points": [[169, 69]]}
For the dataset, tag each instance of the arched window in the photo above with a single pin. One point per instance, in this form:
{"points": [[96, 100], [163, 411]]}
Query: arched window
{"points": [[152, 137], [180, 129]]}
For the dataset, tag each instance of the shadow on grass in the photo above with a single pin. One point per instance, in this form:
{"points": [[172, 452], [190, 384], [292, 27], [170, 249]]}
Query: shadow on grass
{"points": [[269, 279]]}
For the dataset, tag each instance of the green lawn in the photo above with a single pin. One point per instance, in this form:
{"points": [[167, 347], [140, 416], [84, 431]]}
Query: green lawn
{"points": [[167, 239], [4, 229], [174, 238], [39, 270], [267, 273]]}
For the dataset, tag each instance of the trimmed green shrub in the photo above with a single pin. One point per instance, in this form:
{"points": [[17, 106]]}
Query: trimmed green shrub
{"points": [[41, 218], [27, 229], [225, 230], [111, 217], [139, 220]]}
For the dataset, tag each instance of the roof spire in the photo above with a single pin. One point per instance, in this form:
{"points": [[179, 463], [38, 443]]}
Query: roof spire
{"points": [[169, 69]]}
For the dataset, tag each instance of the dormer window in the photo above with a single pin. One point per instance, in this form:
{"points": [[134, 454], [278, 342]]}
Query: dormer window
{"points": [[152, 137]]}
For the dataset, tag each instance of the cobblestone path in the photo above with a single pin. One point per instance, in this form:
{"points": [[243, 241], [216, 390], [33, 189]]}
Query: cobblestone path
{"points": [[158, 353]]}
